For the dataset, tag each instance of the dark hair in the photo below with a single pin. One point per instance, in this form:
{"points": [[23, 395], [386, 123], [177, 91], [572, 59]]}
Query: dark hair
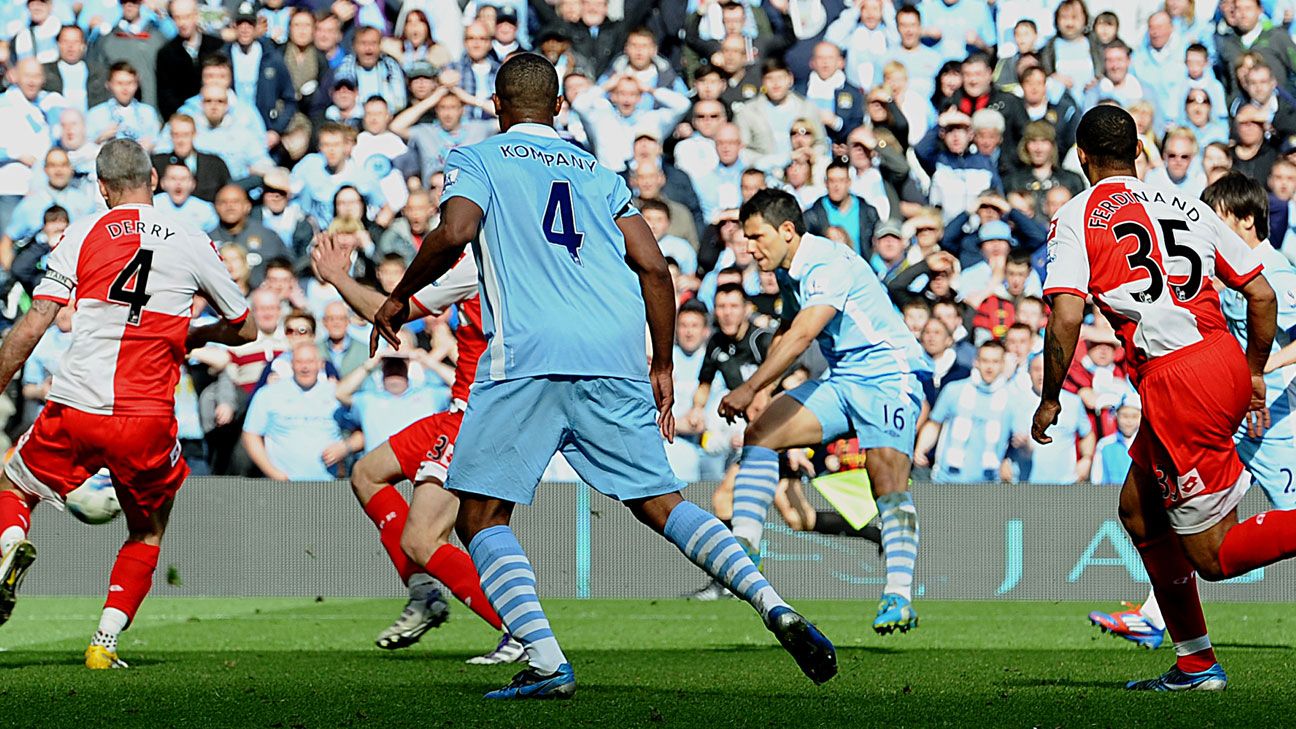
{"points": [[280, 263], [528, 83], [837, 163], [66, 28], [693, 306], [644, 33], [1029, 22], [772, 64], [731, 288], [1119, 45], [1019, 327], [909, 10], [216, 59], [1196, 48], [706, 69], [1108, 136], [1084, 9], [1019, 258], [392, 257], [752, 171], [55, 212], [977, 57], [122, 67], [992, 344], [658, 205], [376, 98], [1108, 16], [301, 314], [1030, 72], [1238, 195], [776, 207]]}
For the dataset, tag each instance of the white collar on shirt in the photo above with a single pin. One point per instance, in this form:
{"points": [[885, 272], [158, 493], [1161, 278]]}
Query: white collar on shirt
{"points": [[535, 130], [808, 248]]}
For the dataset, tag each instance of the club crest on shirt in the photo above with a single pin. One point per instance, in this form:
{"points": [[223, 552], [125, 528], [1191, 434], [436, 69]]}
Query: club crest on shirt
{"points": [[451, 176]]}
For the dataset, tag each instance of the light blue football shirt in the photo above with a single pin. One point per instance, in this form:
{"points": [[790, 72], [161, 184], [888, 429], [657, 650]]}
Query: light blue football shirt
{"points": [[977, 422], [1279, 393], [1053, 462], [867, 337], [558, 296]]}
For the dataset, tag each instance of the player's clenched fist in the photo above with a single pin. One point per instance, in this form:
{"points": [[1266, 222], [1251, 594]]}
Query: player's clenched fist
{"points": [[1045, 415]]}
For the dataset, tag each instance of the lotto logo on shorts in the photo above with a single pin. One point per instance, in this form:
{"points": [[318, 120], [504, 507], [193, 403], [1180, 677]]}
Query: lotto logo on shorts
{"points": [[1190, 484]]}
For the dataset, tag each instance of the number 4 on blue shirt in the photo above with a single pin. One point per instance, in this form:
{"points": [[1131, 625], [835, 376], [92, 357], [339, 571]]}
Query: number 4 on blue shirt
{"points": [[559, 223]]}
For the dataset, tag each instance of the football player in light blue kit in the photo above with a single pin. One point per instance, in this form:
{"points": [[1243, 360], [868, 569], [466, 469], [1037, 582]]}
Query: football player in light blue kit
{"points": [[1270, 456], [568, 272], [873, 387]]}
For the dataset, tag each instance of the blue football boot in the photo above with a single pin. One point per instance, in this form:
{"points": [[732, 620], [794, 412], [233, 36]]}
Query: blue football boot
{"points": [[531, 684], [894, 613], [1212, 679]]}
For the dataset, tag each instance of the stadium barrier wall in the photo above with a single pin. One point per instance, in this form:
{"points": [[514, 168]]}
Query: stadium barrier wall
{"points": [[232, 536]]}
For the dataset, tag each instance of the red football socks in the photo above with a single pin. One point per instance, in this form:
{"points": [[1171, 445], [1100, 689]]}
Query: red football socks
{"points": [[14, 511], [131, 577], [452, 566], [1261, 540], [388, 510], [1175, 582]]}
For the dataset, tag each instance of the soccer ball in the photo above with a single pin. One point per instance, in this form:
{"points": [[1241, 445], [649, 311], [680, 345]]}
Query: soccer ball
{"points": [[95, 501]]}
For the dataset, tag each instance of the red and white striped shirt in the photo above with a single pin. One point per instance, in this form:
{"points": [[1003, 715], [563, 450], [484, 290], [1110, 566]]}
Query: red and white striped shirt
{"points": [[1148, 256], [133, 272]]}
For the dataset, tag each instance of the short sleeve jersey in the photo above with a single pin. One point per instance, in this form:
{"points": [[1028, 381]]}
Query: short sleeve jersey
{"points": [[558, 297], [133, 272], [1149, 257], [458, 287], [867, 337]]}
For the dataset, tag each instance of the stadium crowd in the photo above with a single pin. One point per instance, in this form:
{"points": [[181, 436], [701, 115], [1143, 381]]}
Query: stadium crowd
{"points": [[935, 139]]}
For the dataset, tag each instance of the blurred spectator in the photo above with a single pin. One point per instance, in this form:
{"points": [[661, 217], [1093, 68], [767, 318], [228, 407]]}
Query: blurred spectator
{"points": [[179, 75], [1200, 119], [375, 73], [990, 277], [474, 73], [432, 141], [1055, 462], [1282, 198], [36, 38], [1063, 113], [614, 111], [732, 48], [346, 107], [260, 76], [177, 185], [840, 103], [958, 174], [1073, 57], [1181, 170], [60, 188], [236, 262], [920, 61], [68, 74], [218, 70], [978, 92], [318, 176], [29, 262], [25, 133], [122, 115], [285, 218], [1111, 461], [970, 424], [219, 133], [343, 351], [1158, 62], [1261, 91], [209, 170], [844, 209], [290, 432], [658, 217], [988, 136], [404, 236], [135, 39], [1244, 32], [648, 181], [1038, 169], [236, 225], [767, 119], [640, 59], [864, 36], [386, 409], [1252, 153], [719, 189], [963, 237], [1199, 76], [1116, 83], [307, 65]]}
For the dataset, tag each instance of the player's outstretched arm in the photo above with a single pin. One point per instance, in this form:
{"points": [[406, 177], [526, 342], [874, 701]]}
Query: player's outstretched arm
{"points": [[1059, 347], [783, 352], [460, 219], [645, 258], [22, 339], [332, 263]]}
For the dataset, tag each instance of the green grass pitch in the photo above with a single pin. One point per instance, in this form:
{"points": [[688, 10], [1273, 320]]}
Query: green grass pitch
{"points": [[284, 663]]}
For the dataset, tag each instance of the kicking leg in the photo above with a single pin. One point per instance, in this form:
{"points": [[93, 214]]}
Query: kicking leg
{"points": [[1175, 584], [722, 507], [371, 482], [16, 553], [888, 471], [786, 423], [709, 545], [509, 583]]}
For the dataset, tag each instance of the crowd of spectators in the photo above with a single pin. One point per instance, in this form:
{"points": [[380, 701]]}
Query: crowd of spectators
{"points": [[935, 138]]}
